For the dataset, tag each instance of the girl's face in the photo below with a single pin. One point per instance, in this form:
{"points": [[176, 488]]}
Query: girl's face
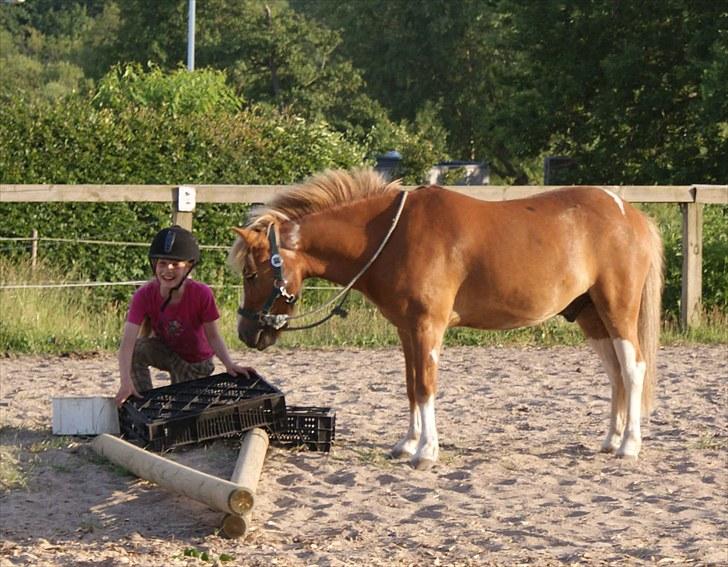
{"points": [[170, 272]]}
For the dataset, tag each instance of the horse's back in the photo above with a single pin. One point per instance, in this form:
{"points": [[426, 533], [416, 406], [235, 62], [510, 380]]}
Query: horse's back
{"points": [[559, 215]]}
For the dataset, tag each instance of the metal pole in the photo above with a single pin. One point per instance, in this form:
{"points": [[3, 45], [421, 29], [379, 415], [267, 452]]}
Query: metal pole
{"points": [[191, 36]]}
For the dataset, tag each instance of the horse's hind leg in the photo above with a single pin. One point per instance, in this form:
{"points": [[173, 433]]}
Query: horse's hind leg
{"points": [[599, 339], [618, 306], [408, 444], [633, 375]]}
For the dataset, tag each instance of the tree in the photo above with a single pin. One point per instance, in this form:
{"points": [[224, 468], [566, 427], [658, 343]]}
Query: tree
{"points": [[39, 48], [630, 90], [433, 54]]}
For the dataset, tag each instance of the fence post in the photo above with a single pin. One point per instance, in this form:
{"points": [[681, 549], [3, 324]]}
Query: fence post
{"points": [[184, 206], [34, 250], [692, 267]]}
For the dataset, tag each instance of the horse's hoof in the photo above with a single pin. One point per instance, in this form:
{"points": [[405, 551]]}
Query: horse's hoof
{"points": [[422, 464], [397, 453], [402, 450], [627, 456], [629, 449], [607, 449]]}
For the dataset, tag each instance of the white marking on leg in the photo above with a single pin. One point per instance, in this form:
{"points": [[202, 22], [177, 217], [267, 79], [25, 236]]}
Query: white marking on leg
{"points": [[408, 444], [434, 355], [428, 448], [633, 376], [605, 350], [616, 198]]}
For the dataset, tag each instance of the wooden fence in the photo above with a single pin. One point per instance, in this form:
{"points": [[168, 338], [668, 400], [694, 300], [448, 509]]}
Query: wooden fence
{"points": [[690, 198]]}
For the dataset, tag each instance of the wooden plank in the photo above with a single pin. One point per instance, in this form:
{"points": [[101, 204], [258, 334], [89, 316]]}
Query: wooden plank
{"points": [[263, 193], [711, 194], [238, 193], [692, 267], [86, 193], [631, 193]]}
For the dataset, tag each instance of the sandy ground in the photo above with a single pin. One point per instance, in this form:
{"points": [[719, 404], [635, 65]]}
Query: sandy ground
{"points": [[520, 480]]}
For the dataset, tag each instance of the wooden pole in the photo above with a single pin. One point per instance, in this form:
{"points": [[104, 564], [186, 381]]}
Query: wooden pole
{"points": [[34, 250], [246, 475], [185, 201], [692, 275], [219, 494]]}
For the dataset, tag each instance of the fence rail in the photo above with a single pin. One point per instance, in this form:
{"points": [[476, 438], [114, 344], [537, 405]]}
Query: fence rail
{"points": [[690, 198]]}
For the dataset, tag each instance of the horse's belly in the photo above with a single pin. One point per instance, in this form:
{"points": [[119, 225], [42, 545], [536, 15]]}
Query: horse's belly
{"points": [[497, 319], [511, 311]]}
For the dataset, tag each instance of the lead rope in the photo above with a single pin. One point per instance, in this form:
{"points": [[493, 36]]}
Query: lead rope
{"points": [[338, 310]]}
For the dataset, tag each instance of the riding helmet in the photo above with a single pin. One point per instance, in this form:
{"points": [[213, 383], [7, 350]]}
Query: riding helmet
{"points": [[175, 243]]}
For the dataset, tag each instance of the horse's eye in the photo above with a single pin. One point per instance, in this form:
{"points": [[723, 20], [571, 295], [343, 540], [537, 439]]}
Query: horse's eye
{"points": [[250, 276]]}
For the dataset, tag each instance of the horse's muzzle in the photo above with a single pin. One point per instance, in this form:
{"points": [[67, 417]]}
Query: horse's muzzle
{"points": [[258, 337]]}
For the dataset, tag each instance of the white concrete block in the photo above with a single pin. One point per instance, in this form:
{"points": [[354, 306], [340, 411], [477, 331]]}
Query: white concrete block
{"points": [[90, 415]]}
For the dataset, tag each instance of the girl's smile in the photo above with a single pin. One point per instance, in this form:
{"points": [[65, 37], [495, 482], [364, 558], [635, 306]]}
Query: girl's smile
{"points": [[170, 273]]}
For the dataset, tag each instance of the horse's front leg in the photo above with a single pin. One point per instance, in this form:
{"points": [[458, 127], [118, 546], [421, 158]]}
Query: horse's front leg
{"points": [[408, 444], [426, 357]]}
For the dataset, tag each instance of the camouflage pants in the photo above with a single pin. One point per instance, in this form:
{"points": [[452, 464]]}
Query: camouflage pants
{"points": [[153, 352]]}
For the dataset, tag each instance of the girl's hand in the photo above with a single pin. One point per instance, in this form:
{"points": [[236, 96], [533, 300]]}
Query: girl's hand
{"points": [[124, 392], [234, 369]]}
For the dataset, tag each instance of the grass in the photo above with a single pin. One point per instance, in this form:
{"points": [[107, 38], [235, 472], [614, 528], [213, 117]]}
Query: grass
{"points": [[11, 473], [14, 469], [53, 320], [711, 442], [63, 320]]}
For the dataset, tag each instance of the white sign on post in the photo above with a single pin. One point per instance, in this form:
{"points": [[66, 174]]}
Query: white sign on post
{"points": [[186, 199]]}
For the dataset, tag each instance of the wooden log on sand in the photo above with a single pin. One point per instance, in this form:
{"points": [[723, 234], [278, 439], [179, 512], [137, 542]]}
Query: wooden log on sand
{"points": [[246, 475], [219, 494]]}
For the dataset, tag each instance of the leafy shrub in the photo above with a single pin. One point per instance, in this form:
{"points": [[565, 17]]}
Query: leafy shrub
{"points": [[178, 92], [74, 142]]}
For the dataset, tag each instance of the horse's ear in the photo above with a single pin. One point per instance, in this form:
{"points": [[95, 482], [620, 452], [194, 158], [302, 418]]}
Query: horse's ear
{"points": [[248, 236], [241, 232]]}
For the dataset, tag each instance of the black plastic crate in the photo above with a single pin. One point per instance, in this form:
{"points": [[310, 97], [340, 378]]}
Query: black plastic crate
{"points": [[314, 427], [199, 410]]}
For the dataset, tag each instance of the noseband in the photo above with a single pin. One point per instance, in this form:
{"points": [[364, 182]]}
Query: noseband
{"points": [[264, 318]]}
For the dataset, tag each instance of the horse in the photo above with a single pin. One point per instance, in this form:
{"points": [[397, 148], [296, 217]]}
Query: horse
{"points": [[431, 258]]}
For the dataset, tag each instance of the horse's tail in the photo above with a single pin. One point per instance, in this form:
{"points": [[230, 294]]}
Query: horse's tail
{"points": [[648, 324]]}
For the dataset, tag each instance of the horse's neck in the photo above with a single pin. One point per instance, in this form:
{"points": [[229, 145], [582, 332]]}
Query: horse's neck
{"points": [[337, 244]]}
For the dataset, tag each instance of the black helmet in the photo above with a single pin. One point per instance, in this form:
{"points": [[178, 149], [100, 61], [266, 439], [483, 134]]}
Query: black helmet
{"points": [[176, 243]]}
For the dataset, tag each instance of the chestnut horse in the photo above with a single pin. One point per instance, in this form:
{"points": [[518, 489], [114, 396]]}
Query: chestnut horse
{"points": [[430, 259]]}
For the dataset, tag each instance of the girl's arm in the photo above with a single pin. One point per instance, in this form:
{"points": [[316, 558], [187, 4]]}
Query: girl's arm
{"points": [[212, 332], [126, 351]]}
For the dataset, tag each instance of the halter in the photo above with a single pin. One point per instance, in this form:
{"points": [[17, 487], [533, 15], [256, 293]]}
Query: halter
{"points": [[264, 318]]}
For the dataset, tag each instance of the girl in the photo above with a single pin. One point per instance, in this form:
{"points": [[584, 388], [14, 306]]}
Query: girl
{"points": [[183, 318]]}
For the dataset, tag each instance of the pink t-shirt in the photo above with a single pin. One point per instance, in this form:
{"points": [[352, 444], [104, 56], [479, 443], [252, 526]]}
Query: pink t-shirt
{"points": [[179, 325]]}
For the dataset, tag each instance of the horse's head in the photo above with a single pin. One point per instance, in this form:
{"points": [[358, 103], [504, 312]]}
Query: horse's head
{"points": [[271, 284]]}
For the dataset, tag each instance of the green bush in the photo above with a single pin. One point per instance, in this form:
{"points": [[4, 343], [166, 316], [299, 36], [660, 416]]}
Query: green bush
{"points": [[73, 142], [178, 92], [715, 255]]}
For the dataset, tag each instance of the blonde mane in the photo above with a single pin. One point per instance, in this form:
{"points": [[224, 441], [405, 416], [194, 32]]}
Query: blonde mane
{"points": [[321, 192]]}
